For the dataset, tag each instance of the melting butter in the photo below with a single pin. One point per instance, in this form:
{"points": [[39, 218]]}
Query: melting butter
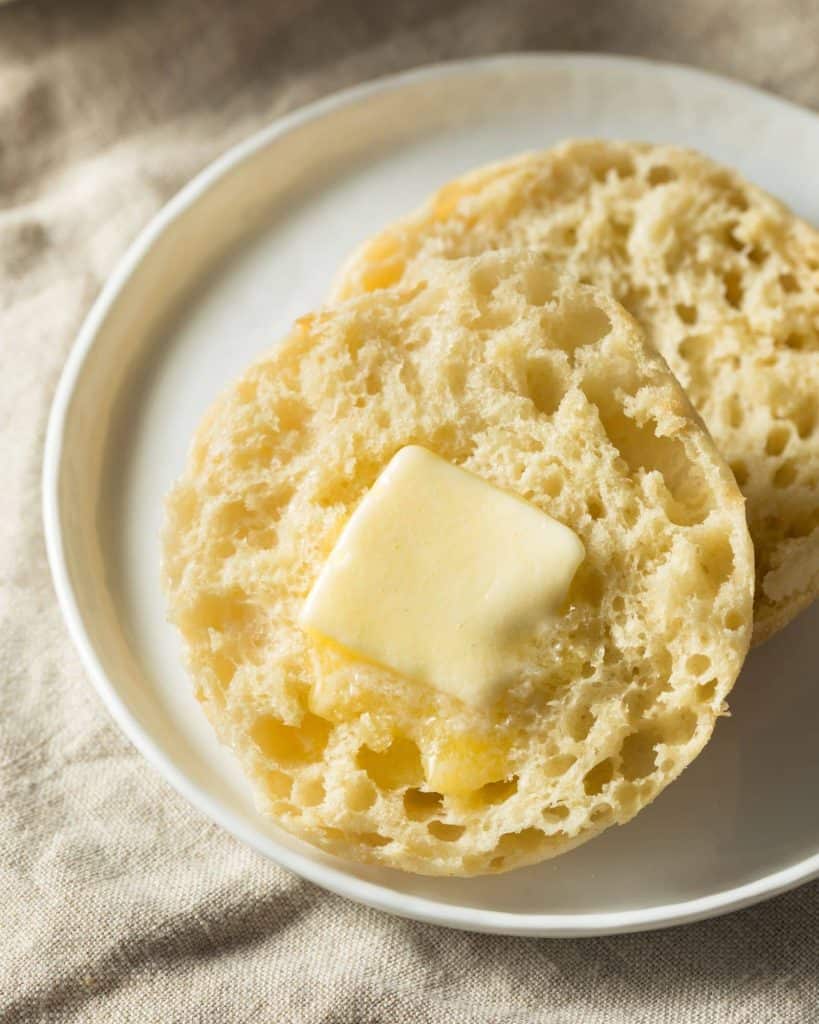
{"points": [[438, 574]]}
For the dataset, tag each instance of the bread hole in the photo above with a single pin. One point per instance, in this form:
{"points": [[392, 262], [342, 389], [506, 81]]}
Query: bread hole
{"points": [[408, 375], [618, 603], [485, 277], [555, 813], [528, 840], [587, 670], [637, 755], [721, 181], [706, 691], [494, 317], [291, 744], [587, 586], [448, 198], [551, 485], [343, 486], [360, 794], [698, 664], [578, 327], [731, 239], [594, 506], [736, 198], [662, 664], [557, 766], [569, 237], [802, 524], [804, 417], [734, 620], [456, 378], [444, 440], [601, 814], [421, 804], [660, 174], [497, 792], [539, 285], [637, 703], [263, 540], [801, 341], [497, 863], [288, 412], [732, 286], [381, 274], [740, 471], [632, 299], [678, 728], [695, 350], [621, 230], [253, 456], [777, 439], [630, 514], [619, 165], [687, 314], [398, 765], [277, 784], [223, 667], [596, 779], [716, 557], [221, 611], [543, 386], [643, 449], [733, 412], [309, 792], [373, 839], [446, 833], [786, 474], [579, 723], [789, 283], [333, 835], [236, 519], [372, 385]]}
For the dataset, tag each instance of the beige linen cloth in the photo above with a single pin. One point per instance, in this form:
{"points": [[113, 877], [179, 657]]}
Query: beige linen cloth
{"points": [[118, 902]]}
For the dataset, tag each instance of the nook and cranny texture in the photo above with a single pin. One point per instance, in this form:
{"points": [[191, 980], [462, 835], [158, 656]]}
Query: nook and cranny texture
{"points": [[724, 279], [543, 388]]}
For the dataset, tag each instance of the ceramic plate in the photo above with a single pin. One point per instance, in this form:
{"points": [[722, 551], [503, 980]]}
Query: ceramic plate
{"points": [[219, 274]]}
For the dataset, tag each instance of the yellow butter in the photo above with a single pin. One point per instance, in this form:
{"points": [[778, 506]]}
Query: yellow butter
{"points": [[438, 574], [463, 764]]}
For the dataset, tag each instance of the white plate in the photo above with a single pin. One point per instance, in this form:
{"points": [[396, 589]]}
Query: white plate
{"points": [[253, 242]]}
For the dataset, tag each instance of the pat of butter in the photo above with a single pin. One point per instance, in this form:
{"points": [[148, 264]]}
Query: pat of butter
{"points": [[438, 574]]}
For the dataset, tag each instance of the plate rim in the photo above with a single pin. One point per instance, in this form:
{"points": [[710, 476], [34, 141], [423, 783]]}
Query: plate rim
{"points": [[328, 876]]}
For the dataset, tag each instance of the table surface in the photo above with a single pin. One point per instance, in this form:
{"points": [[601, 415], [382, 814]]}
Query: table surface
{"points": [[120, 903]]}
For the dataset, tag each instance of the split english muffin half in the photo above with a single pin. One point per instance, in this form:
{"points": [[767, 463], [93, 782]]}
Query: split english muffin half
{"points": [[548, 391], [722, 277]]}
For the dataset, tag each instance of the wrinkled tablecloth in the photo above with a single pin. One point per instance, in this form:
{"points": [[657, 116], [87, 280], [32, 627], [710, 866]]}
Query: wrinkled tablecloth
{"points": [[118, 902]]}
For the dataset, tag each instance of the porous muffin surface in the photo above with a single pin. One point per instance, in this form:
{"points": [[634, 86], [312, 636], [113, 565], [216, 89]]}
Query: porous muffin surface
{"points": [[548, 391], [724, 279]]}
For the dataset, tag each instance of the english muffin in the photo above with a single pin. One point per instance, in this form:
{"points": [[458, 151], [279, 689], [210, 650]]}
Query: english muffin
{"points": [[548, 391], [722, 277]]}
